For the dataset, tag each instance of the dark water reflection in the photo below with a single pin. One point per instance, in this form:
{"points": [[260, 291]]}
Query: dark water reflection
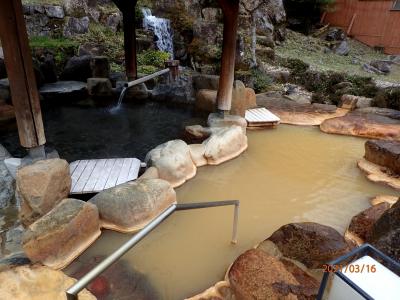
{"points": [[85, 130]]}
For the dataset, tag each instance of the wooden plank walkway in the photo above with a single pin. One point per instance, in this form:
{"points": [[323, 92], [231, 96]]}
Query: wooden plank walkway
{"points": [[95, 175], [261, 117]]}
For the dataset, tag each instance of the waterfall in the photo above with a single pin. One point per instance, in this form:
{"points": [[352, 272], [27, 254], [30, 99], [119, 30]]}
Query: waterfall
{"points": [[162, 30]]}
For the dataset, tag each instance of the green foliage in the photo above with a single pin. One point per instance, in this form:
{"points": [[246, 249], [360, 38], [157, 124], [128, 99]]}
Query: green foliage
{"points": [[147, 70], [153, 58], [261, 81], [388, 98]]}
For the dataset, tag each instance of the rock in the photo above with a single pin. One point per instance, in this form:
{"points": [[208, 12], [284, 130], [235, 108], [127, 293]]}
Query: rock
{"points": [[257, 275], [41, 186], [197, 152], [13, 241], [220, 291], [371, 69], [385, 234], [48, 68], [5, 89], [381, 65], [384, 199], [114, 21], [54, 11], [6, 113], [173, 161], [100, 67], [348, 102], [242, 99], [150, 173], [116, 281], [37, 283], [297, 94], [197, 133], [64, 90], [61, 235], [386, 112], [294, 113], [342, 48], [74, 26], [384, 153], [77, 68], [131, 206], [361, 224], [13, 260], [7, 186], [4, 153], [225, 144], [13, 165], [379, 174], [138, 92], [310, 243], [368, 125], [100, 87], [205, 82], [91, 49], [215, 120], [335, 34]]}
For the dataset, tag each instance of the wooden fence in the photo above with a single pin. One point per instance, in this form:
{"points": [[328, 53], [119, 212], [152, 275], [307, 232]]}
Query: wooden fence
{"points": [[374, 23]]}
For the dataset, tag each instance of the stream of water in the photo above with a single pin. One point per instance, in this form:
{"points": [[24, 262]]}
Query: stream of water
{"points": [[290, 174]]}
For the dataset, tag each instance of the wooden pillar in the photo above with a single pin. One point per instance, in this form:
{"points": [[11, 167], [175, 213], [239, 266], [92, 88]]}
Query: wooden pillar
{"points": [[18, 61], [128, 9], [230, 9]]}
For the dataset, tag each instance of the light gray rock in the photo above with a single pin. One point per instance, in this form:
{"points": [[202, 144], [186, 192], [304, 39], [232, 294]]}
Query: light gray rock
{"points": [[75, 26], [173, 161], [131, 206], [342, 48], [13, 165], [73, 90], [114, 21], [7, 186], [54, 11], [57, 238]]}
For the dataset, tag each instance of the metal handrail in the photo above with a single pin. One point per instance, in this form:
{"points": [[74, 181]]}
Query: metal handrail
{"points": [[72, 292]]}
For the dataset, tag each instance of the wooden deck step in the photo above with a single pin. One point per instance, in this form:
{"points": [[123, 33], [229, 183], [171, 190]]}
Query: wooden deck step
{"points": [[95, 175], [261, 117]]}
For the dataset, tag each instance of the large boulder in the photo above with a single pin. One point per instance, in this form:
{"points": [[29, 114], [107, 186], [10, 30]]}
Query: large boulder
{"points": [[291, 112], [7, 186], [173, 161], [385, 234], [384, 153], [57, 238], [361, 224], [99, 87], [74, 26], [242, 99], [100, 67], [77, 68], [364, 124], [257, 275], [41, 186], [64, 90], [131, 206], [312, 244], [225, 144], [37, 283]]}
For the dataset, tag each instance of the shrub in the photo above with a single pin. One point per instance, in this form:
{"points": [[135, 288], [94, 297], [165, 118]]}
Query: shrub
{"points": [[153, 58], [261, 81]]}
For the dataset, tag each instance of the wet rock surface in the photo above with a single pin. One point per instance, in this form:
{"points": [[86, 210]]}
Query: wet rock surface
{"points": [[173, 161], [65, 90], [312, 244], [225, 144], [7, 186], [294, 113], [257, 275], [361, 224], [364, 124], [385, 234], [41, 186], [57, 238], [380, 174], [37, 283], [131, 206], [384, 153], [118, 282]]}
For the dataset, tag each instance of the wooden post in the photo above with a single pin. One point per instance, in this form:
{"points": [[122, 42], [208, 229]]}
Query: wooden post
{"points": [[18, 60], [128, 9], [230, 9], [173, 66]]}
